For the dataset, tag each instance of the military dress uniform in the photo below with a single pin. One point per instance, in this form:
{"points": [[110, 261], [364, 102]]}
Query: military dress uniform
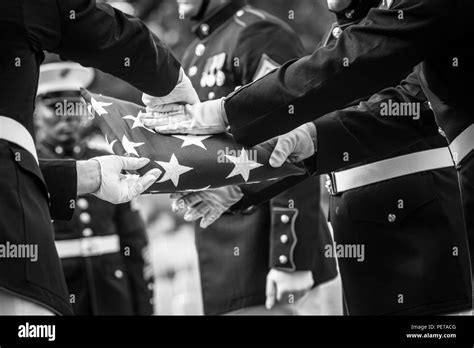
{"points": [[103, 250], [93, 35], [237, 44], [436, 281], [377, 53], [409, 220]]}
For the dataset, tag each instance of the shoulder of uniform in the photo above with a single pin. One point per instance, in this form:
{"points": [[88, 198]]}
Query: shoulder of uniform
{"points": [[256, 26], [249, 15]]}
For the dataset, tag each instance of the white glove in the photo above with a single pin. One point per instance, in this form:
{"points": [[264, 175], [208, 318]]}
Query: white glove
{"points": [[183, 93], [208, 205], [202, 118], [118, 188], [285, 286], [295, 146]]}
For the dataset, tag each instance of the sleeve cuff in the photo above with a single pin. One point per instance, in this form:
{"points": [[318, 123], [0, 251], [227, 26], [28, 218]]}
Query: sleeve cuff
{"points": [[61, 180]]}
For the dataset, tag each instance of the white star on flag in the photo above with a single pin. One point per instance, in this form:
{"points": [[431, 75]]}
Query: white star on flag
{"points": [[173, 170], [137, 123], [99, 107], [243, 165], [130, 146], [110, 146], [189, 140]]}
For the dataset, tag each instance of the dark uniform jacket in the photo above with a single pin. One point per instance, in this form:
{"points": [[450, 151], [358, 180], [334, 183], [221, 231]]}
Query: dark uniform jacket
{"points": [[416, 260], [117, 283], [93, 35], [412, 226], [237, 44]]}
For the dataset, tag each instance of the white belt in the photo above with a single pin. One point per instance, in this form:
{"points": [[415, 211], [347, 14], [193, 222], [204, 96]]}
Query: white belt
{"points": [[15, 132], [372, 173], [87, 247], [463, 145]]}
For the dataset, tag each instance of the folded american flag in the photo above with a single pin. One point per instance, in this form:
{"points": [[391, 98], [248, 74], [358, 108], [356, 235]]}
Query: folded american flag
{"points": [[188, 163]]}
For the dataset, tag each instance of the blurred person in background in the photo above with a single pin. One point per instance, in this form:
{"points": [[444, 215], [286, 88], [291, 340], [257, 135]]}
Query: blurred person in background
{"points": [[104, 248], [241, 268]]}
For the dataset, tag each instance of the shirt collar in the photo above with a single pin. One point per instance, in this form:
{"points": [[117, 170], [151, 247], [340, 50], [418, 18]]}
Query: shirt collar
{"points": [[216, 18]]}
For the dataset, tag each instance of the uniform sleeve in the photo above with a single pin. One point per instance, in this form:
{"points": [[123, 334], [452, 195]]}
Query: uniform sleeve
{"points": [[299, 232], [134, 244], [61, 180], [97, 35], [295, 229], [356, 124], [379, 52]]}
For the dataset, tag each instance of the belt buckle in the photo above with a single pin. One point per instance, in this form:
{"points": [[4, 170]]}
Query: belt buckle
{"points": [[331, 184]]}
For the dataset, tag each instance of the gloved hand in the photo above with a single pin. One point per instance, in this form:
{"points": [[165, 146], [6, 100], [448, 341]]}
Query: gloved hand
{"points": [[183, 93], [281, 285], [295, 146], [208, 205], [118, 188], [202, 118]]}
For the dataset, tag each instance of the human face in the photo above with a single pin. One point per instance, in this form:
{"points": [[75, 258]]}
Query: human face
{"points": [[61, 119]]}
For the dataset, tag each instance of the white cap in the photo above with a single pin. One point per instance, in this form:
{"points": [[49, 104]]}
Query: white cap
{"points": [[64, 77]]}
